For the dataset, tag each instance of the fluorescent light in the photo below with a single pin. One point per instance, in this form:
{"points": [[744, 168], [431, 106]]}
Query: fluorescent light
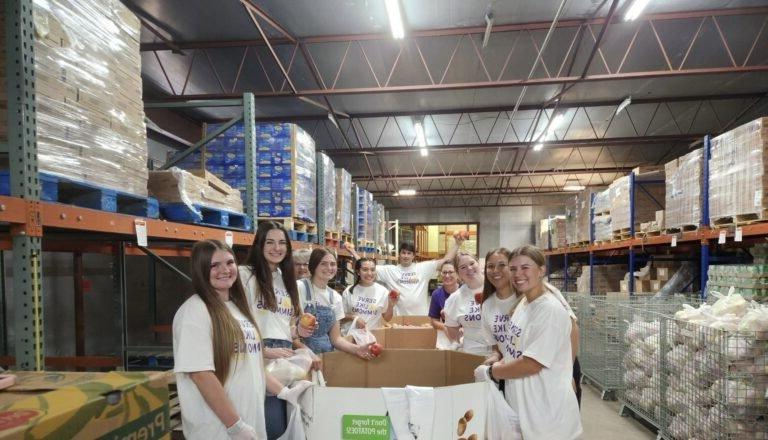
{"points": [[557, 121], [424, 152], [624, 104], [421, 139], [635, 9], [538, 147], [572, 185], [395, 19], [488, 26], [407, 192]]}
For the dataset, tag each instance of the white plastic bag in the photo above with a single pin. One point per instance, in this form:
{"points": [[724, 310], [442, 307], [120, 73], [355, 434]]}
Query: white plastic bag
{"points": [[502, 422], [362, 336], [290, 369], [295, 428]]}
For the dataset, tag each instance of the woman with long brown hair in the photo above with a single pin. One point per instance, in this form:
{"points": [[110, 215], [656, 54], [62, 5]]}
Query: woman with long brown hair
{"points": [[217, 351], [462, 309], [499, 300]]}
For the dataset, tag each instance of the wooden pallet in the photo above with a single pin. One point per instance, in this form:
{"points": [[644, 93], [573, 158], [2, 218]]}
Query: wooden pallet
{"points": [[621, 237], [206, 216], [681, 228], [739, 219], [654, 233], [291, 224], [333, 235], [346, 238], [87, 195]]}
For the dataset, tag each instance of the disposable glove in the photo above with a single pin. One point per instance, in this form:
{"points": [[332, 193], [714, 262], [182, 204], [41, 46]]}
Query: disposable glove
{"points": [[241, 431], [482, 374], [293, 393]]}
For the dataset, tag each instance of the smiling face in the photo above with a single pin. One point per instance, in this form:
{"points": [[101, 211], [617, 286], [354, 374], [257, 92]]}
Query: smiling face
{"points": [[223, 273], [526, 274], [406, 258], [448, 273], [469, 270], [275, 248], [367, 273], [497, 271], [326, 270]]}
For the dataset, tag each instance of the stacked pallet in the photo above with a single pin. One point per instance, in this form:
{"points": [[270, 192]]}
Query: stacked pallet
{"points": [[683, 182], [329, 196], [601, 205], [344, 201], [607, 278], [90, 114], [648, 199], [737, 178], [364, 217], [649, 279]]}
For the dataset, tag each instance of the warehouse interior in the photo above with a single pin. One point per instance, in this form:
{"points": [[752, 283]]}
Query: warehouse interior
{"points": [[501, 118]]}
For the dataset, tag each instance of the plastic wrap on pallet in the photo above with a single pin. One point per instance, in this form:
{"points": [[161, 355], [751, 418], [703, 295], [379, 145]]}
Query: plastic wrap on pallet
{"points": [[603, 227], [381, 223], [344, 200], [737, 177], [577, 216], [369, 217], [363, 207], [557, 232], [90, 115], [602, 201], [329, 193], [683, 190], [179, 186], [306, 185], [647, 201], [607, 278]]}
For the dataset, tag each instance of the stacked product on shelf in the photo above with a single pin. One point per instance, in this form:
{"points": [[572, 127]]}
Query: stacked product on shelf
{"points": [[381, 225], [601, 206], [577, 217], [748, 280], [90, 115], [737, 178], [364, 213], [193, 189], [651, 278], [344, 201], [717, 371], [683, 181], [649, 198], [607, 278], [329, 193], [552, 233]]}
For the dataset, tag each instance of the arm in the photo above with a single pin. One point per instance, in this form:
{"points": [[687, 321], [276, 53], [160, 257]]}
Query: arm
{"points": [[273, 385], [494, 357], [390, 311], [342, 344], [449, 256], [454, 333], [574, 339], [437, 324], [351, 248], [317, 362], [516, 369], [214, 395]]}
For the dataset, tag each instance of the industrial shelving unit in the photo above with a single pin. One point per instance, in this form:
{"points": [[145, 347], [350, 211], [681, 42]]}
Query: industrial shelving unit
{"points": [[698, 242]]}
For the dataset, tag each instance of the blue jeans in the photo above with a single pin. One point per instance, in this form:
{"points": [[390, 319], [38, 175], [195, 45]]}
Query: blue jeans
{"points": [[275, 411]]}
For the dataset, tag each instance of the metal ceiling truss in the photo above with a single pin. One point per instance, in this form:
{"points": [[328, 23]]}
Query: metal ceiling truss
{"points": [[654, 46], [477, 201]]}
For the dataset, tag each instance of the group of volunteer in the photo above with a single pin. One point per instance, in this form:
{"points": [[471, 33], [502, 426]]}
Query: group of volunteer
{"points": [[277, 302]]}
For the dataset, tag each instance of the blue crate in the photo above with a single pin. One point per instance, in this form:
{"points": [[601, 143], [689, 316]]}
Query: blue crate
{"points": [[204, 215], [299, 236]]}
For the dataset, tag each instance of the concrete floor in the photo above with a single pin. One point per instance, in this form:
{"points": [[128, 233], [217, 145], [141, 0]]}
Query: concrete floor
{"points": [[600, 419]]}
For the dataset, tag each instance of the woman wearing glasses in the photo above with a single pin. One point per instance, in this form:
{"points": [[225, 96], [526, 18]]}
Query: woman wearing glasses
{"points": [[437, 303]]}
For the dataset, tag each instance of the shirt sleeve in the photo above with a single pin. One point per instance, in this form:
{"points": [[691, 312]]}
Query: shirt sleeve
{"points": [[434, 307], [193, 339], [562, 300], [547, 333], [427, 269], [452, 310], [346, 300], [384, 274]]}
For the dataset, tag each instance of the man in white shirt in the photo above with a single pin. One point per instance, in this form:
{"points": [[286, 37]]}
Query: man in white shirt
{"points": [[412, 279]]}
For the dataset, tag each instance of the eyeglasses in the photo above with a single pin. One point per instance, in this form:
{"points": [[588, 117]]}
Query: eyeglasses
{"points": [[448, 272], [301, 264]]}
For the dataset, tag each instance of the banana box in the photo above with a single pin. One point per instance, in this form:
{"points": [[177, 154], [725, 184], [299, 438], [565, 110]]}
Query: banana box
{"points": [[69, 405]]}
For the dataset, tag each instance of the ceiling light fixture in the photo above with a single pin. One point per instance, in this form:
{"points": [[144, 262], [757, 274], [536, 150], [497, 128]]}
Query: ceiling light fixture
{"points": [[538, 147], [635, 9], [424, 152], [421, 139], [624, 104], [395, 19], [572, 185], [488, 26], [407, 192]]}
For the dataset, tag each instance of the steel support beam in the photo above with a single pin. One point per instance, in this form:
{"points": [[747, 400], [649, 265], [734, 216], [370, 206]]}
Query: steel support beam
{"points": [[548, 172], [22, 149]]}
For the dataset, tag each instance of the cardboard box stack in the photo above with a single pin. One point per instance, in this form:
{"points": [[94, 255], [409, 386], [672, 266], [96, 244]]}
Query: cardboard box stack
{"points": [[552, 233], [683, 181], [344, 200], [602, 215], [285, 161], [90, 114], [647, 201], [364, 213], [329, 193], [196, 187], [737, 179], [577, 217], [607, 278], [381, 226], [650, 279]]}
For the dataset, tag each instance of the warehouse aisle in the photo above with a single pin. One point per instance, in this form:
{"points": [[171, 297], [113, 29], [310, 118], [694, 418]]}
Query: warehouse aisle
{"points": [[601, 419]]}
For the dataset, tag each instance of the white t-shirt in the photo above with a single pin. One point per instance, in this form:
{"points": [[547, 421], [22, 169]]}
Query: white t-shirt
{"points": [[322, 297], [412, 283], [461, 310], [495, 319], [193, 351], [555, 291], [272, 325], [545, 402], [368, 303]]}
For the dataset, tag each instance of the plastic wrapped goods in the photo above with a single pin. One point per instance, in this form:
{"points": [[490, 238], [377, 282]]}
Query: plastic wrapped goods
{"points": [[577, 217], [90, 115], [344, 200], [193, 188], [329, 193], [648, 198], [737, 172], [683, 190], [364, 213]]}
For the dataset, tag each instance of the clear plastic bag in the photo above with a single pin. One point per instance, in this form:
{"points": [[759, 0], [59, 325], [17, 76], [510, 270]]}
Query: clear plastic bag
{"points": [[290, 369], [362, 336]]}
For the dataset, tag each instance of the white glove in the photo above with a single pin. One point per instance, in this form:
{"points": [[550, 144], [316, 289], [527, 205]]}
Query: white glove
{"points": [[241, 431], [291, 394], [482, 374]]}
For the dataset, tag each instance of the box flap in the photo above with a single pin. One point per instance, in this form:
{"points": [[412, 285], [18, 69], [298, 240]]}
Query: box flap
{"points": [[461, 367]]}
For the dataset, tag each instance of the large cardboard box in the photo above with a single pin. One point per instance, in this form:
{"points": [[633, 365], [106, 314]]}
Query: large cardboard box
{"points": [[116, 405], [419, 334], [353, 404]]}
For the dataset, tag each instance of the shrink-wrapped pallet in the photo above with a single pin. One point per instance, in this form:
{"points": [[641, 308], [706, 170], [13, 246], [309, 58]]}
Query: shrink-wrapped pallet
{"points": [[193, 188], [737, 178], [329, 193], [683, 181], [649, 197], [577, 216], [89, 110], [344, 200]]}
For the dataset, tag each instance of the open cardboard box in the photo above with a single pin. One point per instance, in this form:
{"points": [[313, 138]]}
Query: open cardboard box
{"points": [[422, 337], [71, 405], [353, 406]]}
